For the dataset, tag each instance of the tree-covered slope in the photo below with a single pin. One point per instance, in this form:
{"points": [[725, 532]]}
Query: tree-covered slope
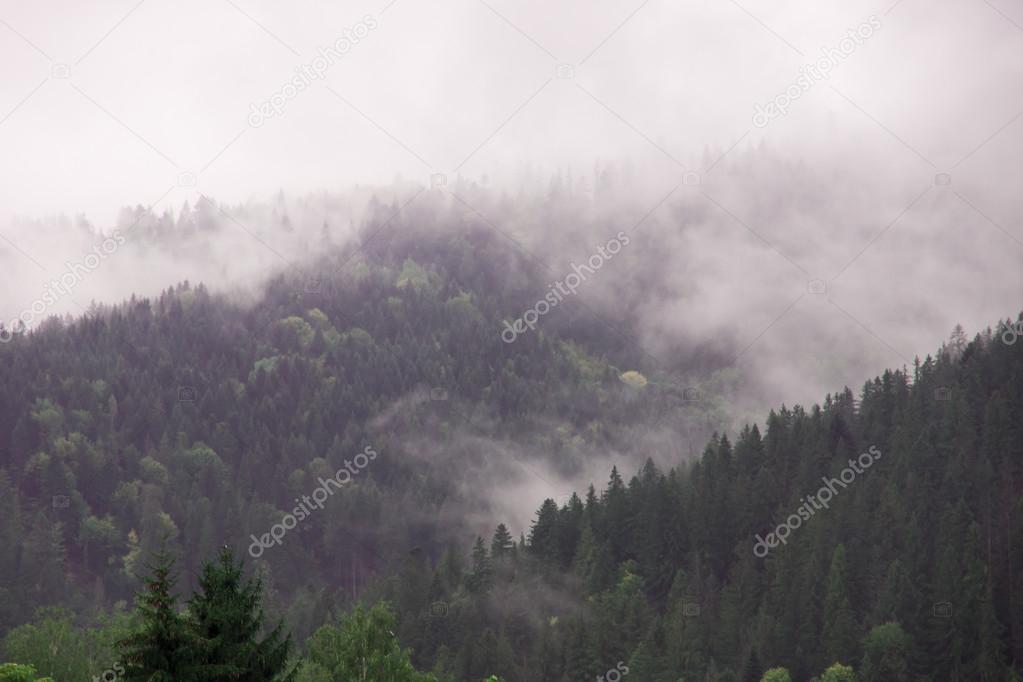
{"points": [[204, 420], [197, 420], [912, 569]]}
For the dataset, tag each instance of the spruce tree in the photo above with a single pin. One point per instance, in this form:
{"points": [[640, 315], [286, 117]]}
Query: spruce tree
{"points": [[840, 625], [543, 537], [482, 570], [227, 612], [164, 649], [502, 542], [753, 670]]}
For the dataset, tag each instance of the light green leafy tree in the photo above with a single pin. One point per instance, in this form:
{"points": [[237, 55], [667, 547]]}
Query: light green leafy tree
{"points": [[839, 673], [886, 654], [362, 647], [776, 675], [16, 672], [52, 645]]}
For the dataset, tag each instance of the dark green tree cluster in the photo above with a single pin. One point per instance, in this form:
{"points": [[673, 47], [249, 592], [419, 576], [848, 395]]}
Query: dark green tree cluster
{"points": [[218, 638], [913, 571]]}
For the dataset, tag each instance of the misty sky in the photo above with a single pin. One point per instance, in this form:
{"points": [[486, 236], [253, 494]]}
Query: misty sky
{"points": [[112, 103], [158, 88]]}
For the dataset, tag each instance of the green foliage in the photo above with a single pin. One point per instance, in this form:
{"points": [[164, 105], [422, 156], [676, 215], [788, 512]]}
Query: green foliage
{"points": [[482, 568], [313, 672], [218, 638], [776, 675], [412, 274], [362, 646], [840, 626], [164, 648], [839, 673], [886, 655], [502, 543], [293, 334], [52, 645], [16, 672], [226, 612]]}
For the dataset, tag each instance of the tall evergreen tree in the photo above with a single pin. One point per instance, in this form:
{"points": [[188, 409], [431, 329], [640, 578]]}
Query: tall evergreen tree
{"points": [[164, 648], [482, 569], [227, 613], [502, 543], [840, 627]]}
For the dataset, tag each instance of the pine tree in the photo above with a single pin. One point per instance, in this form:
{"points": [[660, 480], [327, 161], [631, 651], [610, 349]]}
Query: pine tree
{"points": [[580, 657], [990, 664], [502, 542], [753, 670], [840, 628], [227, 612], [543, 537], [482, 569], [164, 649]]}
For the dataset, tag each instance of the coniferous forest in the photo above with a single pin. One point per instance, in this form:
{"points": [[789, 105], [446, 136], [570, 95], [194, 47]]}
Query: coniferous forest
{"points": [[291, 488]]}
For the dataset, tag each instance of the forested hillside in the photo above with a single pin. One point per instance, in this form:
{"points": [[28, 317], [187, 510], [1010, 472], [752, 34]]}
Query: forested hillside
{"points": [[193, 421], [913, 571]]}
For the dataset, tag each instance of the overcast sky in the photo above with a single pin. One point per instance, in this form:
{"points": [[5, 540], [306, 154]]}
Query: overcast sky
{"points": [[157, 89]]}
